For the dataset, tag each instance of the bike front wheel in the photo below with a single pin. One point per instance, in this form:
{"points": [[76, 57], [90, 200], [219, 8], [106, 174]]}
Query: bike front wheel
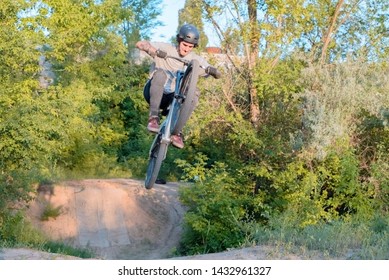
{"points": [[156, 157], [188, 90]]}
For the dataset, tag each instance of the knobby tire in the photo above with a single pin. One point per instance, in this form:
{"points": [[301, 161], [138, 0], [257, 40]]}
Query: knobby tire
{"points": [[188, 89], [157, 155]]}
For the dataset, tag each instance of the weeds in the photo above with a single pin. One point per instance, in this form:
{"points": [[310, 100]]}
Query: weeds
{"points": [[51, 212], [337, 240], [17, 232]]}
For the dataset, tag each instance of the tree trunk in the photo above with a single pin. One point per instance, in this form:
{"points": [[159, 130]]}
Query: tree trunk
{"points": [[252, 60], [329, 33]]}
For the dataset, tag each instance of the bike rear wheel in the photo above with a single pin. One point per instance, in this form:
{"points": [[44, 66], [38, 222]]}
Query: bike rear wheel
{"points": [[188, 90], [156, 157]]}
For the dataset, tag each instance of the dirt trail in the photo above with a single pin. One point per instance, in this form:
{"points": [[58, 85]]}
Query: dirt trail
{"points": [[120, 219], [117, 218]]}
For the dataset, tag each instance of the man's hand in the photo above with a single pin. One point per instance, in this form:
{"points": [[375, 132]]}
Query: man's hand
{"points": [[213, 72], [147, 47]]}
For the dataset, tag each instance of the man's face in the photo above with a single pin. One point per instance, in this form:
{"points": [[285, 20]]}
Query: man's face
{"points": [[185, 48]]}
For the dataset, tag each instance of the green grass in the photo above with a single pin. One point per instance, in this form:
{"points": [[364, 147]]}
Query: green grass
{"points": [[17, 232], [337, 240], [51, 212], [61, 248]]}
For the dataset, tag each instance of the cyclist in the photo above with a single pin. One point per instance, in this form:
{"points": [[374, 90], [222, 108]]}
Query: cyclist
{"points": [[159, 89]]}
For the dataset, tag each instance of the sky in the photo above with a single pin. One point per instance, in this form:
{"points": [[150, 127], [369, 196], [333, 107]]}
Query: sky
{"points": [[169, 18]]}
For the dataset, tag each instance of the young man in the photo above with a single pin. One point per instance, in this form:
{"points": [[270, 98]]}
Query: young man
{"points": [[160, 87]]}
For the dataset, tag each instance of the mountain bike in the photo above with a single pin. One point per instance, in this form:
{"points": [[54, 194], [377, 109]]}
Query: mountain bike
{"points": [[178, 110]]}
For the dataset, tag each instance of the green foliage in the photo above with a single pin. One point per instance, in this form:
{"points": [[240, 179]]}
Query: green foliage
{"points": [[328, 240], [65, 78], [373, 149], [324, 190], [379, 182], [50, 212], [192, 13], [71, 105], [305, 188], [15, 187], [216, 202], [194, 171], [306, 25], [61, 248], [16, 230], [305, 181], [336, 99], [143, 19]]}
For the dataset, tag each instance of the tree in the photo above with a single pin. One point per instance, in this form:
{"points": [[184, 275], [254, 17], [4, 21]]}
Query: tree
{"points": [[337, 29], [260, 33], [142, 19], [330, 30], [20, 145], [192, 13], [42, 125]]}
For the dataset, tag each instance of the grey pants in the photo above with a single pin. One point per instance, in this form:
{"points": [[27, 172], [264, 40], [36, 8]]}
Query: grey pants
{"points": [[158, 99]]}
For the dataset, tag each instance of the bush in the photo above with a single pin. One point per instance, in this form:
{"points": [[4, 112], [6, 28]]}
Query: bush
{"points": [[336, 97], [324, 190], [15, 187], [51, 212], [220, 209], [15, 230]]}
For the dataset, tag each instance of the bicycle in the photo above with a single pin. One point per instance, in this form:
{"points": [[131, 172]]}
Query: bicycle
{"points": [[178, 110]]}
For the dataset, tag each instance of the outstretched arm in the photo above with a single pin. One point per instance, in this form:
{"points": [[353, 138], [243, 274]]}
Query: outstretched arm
{"points": [[147, 47]]}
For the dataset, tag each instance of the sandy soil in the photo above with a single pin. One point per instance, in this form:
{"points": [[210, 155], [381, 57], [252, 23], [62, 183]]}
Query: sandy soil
{"points": [[120, 219], [117, 219]]}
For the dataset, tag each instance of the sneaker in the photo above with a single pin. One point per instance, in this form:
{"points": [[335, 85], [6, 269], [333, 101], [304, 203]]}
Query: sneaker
{"points": [[177, 141], [153, 125]]}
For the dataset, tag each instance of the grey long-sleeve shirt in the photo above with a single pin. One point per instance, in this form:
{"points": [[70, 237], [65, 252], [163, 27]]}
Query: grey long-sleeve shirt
{"points": [[171, 66]]}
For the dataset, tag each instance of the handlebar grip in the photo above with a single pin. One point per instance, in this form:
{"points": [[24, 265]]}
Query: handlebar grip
{"points": [[161, 53], [213, 72]]}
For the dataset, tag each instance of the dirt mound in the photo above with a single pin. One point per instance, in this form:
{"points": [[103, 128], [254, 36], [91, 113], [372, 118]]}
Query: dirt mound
{"points": [[120, 219], [117, 218]]}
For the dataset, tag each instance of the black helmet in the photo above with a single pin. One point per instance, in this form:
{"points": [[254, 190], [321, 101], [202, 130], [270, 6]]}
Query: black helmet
{"points": [[188, 33]]}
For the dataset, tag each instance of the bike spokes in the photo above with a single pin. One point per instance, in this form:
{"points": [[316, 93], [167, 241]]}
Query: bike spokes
{"points": [[156, 157], [188, 90]]}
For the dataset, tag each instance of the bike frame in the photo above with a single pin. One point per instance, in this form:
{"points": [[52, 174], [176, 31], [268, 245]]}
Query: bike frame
{"points": [[186, 81], [167, 126]]}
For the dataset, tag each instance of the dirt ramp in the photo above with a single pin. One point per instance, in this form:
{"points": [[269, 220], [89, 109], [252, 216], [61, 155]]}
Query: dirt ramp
{"points": [[117, 218]]}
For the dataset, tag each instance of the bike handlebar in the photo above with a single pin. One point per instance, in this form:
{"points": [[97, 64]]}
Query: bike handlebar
{"points": [[210, 70]]}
